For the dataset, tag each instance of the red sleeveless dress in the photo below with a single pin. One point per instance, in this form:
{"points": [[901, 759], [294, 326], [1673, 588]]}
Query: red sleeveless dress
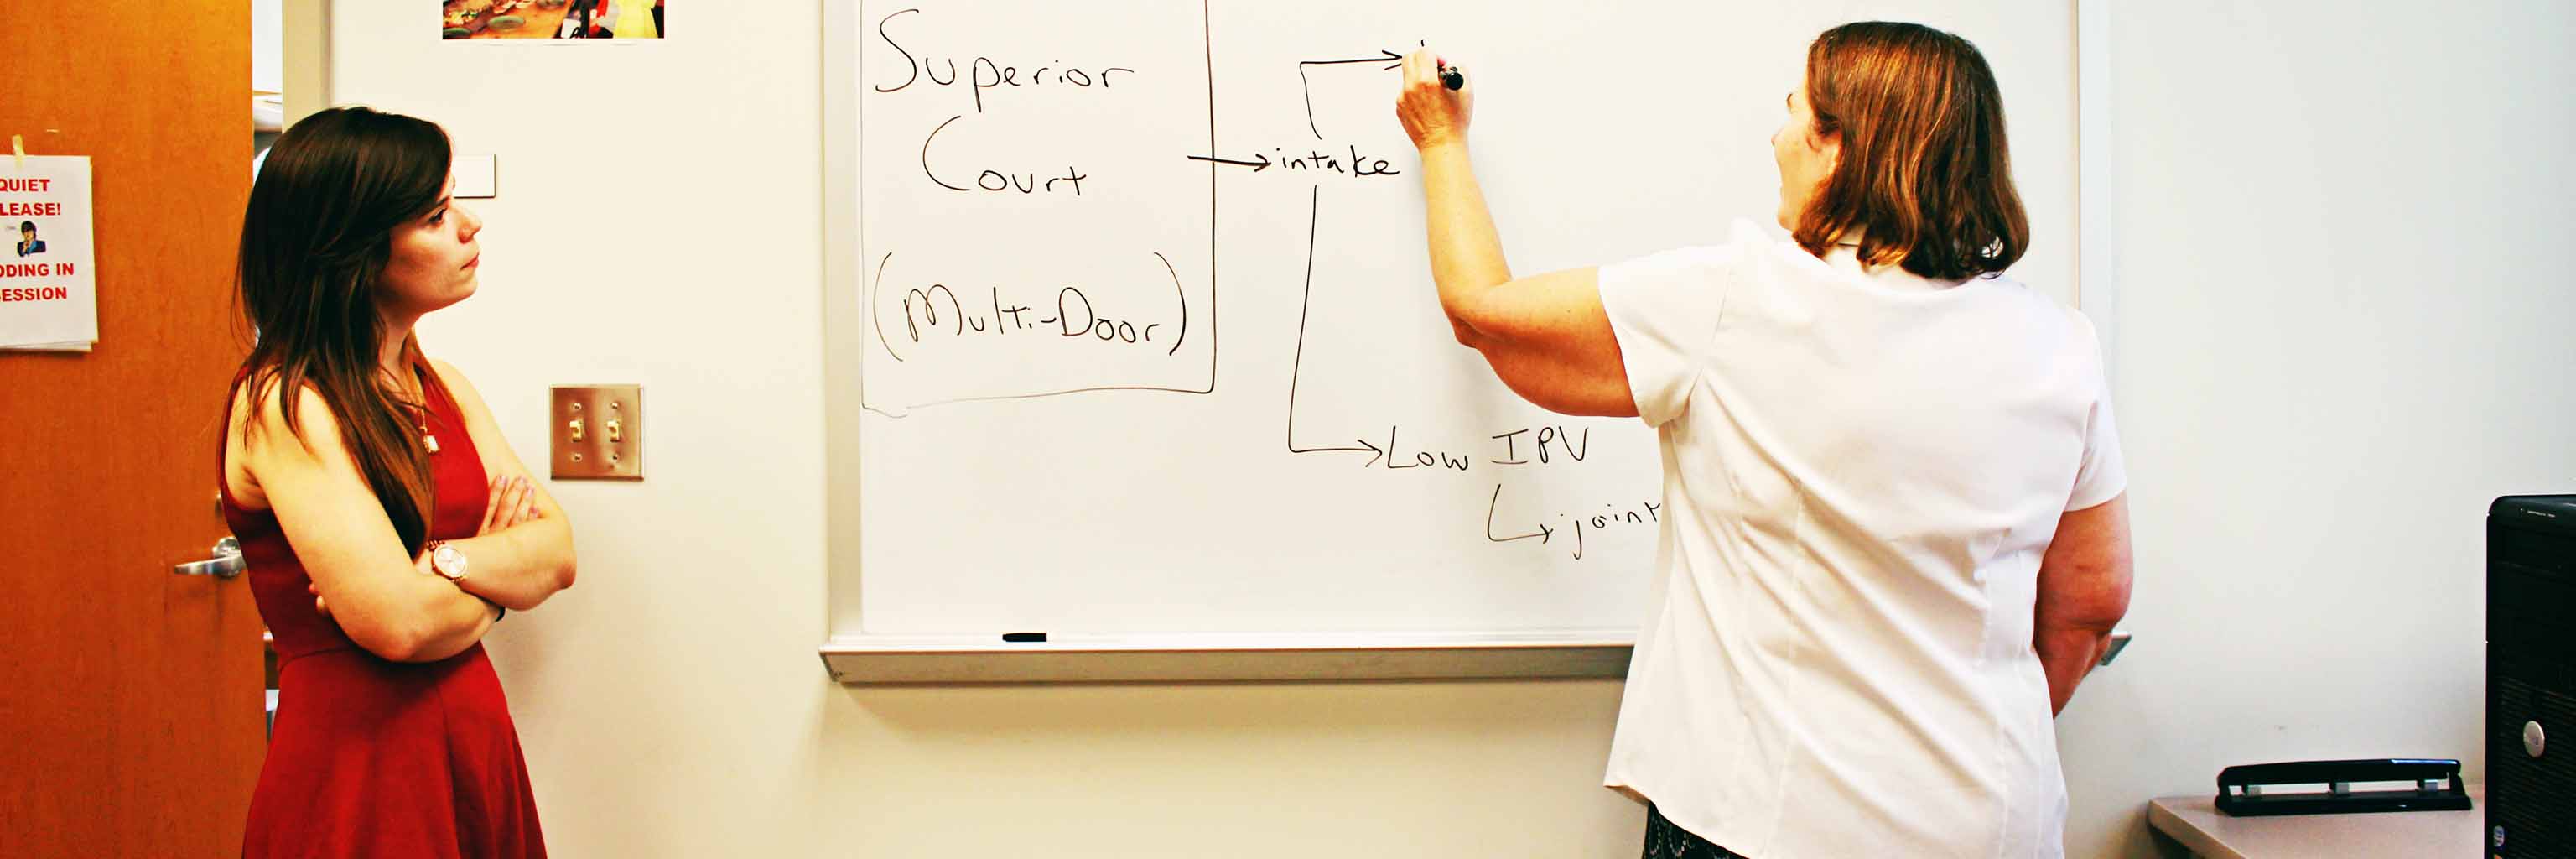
{"points": [[378, 758]]}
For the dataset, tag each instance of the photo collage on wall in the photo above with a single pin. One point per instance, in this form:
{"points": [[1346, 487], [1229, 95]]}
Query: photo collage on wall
{"points": [[550, 19]]}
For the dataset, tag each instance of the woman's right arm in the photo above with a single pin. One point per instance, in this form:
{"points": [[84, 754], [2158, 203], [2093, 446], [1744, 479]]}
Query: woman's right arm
{"points": [[382, 598], [2083, 593], [1547, 337]]}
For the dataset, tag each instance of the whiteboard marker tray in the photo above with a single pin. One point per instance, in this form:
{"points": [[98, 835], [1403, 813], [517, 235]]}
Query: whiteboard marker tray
{"points": [[1164, 658]]}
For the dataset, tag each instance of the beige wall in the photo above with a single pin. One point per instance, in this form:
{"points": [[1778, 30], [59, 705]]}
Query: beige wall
{"points": [[2339, 340], [303, 47], [2344, 333]]}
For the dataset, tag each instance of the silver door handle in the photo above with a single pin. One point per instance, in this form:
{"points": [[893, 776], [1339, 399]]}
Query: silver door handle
{"points": [[226, 563]]}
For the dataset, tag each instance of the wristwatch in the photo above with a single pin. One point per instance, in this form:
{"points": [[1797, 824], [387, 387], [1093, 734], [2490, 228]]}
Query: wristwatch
{"points": [[447, 561]]}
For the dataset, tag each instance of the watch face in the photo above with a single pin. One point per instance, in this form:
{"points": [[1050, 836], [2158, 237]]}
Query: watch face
{"points": [[449, 562]]}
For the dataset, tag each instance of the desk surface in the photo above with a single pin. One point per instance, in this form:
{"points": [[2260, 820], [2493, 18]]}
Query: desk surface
{"points": [[2197, 823]]}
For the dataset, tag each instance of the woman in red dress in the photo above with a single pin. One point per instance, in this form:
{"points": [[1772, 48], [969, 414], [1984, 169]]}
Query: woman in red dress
{"points": [[386, 522]]}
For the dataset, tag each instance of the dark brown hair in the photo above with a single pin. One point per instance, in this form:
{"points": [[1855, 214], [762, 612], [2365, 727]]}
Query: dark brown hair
{"points": [[314, 243], [1924, 175]]}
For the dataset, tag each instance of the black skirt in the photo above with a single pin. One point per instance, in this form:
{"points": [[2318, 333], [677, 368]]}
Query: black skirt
{"points": [[1666, 841]]}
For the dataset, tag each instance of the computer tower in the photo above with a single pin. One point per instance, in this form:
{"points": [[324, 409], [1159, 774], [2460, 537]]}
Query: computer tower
{"points": [[2531, 677]]}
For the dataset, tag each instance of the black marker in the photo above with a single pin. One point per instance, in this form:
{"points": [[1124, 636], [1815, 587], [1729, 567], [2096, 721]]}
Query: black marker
{"points": [[1452, 78], [1024, 636]]}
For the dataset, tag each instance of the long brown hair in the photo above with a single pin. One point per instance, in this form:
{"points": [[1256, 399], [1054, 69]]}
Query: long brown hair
{"points": [[1924, 177], [314, 244]]}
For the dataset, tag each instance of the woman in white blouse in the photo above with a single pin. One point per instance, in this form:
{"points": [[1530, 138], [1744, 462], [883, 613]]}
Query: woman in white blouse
{"points": [[1898, 533]]}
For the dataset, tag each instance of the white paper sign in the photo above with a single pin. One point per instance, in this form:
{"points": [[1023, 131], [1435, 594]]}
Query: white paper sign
{"points": [[48, 294]]}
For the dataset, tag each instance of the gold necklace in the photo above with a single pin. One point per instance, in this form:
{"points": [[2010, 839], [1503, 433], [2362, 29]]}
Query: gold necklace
{"points": [[427, 441]]}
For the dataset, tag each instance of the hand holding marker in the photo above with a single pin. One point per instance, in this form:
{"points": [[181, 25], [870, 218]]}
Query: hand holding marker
{"points": [[1434, 102]]}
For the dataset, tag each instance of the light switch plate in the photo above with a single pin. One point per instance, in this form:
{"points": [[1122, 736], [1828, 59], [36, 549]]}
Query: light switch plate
{"points": [[597, 432]]}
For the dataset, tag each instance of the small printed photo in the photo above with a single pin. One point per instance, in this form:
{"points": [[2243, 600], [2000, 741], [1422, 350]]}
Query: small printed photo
{"points": [[550, 19], [28, 244]]}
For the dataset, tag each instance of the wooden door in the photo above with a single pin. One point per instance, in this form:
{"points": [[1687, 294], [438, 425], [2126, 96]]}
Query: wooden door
{"points": [[130, 697]]}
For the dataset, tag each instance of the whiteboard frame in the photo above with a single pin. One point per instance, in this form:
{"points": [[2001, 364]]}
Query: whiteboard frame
{"points": [[2097, 288], [864, 659]]}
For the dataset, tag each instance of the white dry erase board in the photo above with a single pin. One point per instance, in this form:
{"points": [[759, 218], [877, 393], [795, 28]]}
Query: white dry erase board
{"points": [[1132, 341]]}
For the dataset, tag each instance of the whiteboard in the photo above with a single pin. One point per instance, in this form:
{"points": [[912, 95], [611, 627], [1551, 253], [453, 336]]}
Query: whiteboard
{"points": [[1132, 336]]}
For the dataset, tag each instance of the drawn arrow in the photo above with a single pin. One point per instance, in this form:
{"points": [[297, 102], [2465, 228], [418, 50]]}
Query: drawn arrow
{"points": [[1315, 201], [1257, 166], [1543, 534], [1374, 451], [1384, 56]]}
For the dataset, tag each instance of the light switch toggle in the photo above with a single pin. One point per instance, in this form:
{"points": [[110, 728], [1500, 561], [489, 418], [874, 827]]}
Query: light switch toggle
{"points": [[600, 432]]}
